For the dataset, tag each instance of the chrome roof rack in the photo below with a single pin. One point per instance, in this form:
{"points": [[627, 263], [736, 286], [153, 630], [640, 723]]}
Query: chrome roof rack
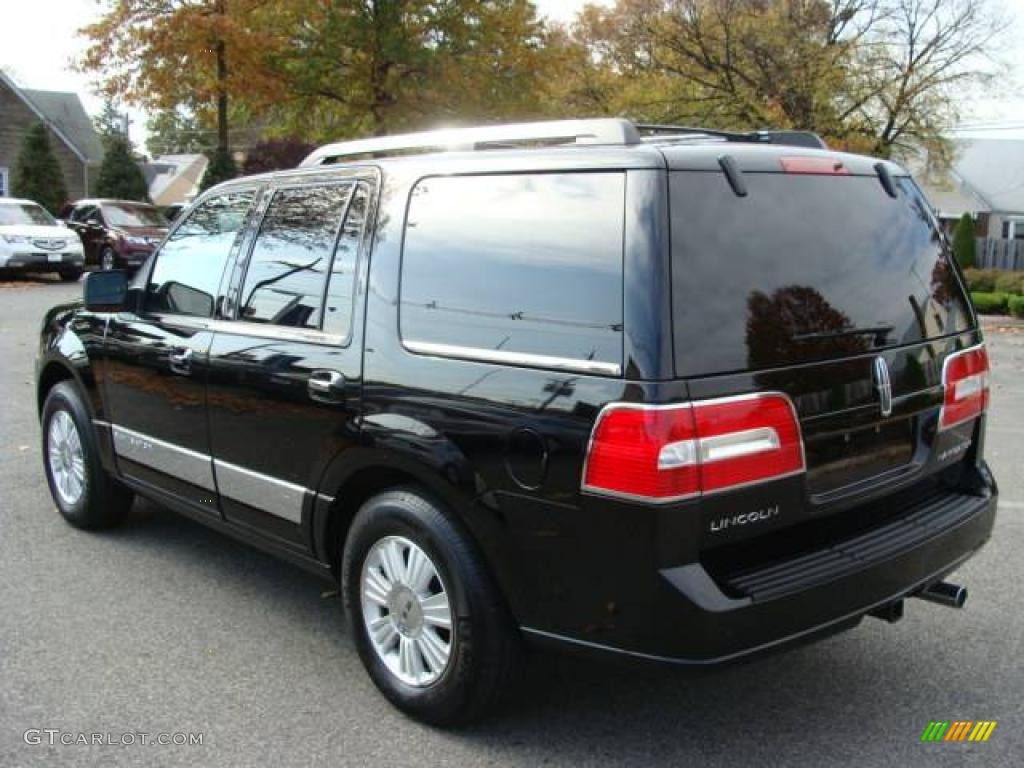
{"points": [[604, 131], [653, 134]]}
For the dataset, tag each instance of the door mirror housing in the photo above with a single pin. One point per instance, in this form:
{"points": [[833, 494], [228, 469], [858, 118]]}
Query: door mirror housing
{"points": [[106, 291]]}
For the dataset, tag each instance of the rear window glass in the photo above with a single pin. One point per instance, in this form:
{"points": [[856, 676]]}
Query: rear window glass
{"points": [[804, 268], [527, 265]]}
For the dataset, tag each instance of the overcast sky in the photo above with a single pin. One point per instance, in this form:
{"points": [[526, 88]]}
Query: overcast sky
{"points": [[39, 42]]}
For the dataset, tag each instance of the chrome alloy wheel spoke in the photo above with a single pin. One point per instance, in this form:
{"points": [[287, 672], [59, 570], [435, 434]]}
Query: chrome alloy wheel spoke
{"points": [[66, 457], [406, 611]]}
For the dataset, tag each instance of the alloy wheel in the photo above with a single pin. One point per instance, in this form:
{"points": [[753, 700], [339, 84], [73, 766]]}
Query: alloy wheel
{"points": [[66, 457], [406, 611]]}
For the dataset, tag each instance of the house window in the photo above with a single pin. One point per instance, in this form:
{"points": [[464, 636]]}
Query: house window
{"points": [[4, 183]]}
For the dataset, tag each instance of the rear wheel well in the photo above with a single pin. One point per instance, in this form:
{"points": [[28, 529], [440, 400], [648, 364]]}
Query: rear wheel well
{"points": [[351, 496], [51, 376]]}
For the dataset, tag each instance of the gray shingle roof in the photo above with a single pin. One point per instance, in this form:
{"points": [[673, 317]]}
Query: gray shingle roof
{"points": [[66, 112]]}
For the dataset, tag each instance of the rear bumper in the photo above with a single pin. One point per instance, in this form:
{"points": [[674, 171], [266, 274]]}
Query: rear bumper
{"points": [[690, 618]]}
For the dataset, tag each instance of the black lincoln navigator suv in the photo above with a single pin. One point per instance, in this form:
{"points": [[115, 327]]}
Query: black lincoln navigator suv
{"points": [[661, 393]]}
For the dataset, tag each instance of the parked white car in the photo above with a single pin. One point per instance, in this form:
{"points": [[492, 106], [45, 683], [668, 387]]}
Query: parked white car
{"points": [[31, 240]]}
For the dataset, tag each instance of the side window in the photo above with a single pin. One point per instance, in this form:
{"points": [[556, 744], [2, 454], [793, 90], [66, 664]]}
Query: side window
{"points": [[284, 283], [341, 284], [517, 266], [189, 265], [94, 216], [81, 213]]}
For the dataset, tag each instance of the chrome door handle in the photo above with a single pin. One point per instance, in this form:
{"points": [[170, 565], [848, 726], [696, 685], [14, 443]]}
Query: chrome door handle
{"points": [[327, 386], [181, 361]]}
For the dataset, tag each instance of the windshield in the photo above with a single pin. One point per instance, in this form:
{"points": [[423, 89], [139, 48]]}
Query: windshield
{"points": [[25, 213], [118, 215], [804, 268]]}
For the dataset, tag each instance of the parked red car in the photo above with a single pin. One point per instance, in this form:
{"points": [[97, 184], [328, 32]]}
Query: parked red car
{"points": [[116, 234]]}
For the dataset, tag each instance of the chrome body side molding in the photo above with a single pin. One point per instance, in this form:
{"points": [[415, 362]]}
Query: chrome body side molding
{"points": [[255, 489], [191, 466]]}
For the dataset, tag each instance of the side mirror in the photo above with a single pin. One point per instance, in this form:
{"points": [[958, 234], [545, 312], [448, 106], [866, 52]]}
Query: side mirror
{"points": [[106, 291]]}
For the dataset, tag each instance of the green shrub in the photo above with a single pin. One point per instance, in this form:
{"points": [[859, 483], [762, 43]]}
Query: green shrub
{"points": [[220, 168], [983, 280], [1009, 282], [1016, 306], [120, 176], [37, 172], [963, 241], [990, 303]]}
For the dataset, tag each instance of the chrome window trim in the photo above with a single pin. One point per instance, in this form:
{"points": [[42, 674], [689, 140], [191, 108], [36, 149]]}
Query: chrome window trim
{"points": [[257, 330], [522, 359], [276, 332]]}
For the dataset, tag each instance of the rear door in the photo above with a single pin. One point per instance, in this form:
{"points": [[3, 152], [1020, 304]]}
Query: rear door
{"points": [[827, 288], [286, 369]]}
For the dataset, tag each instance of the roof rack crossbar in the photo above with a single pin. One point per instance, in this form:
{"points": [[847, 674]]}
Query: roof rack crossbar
{"points": [[605, 131]]}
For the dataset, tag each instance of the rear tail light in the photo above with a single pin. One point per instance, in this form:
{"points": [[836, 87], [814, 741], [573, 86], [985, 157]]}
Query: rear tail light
{"points": [[668, 453], [965, 380]]}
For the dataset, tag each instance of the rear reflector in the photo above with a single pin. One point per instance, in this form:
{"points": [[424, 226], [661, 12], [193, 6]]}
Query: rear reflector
{"points": [[965, 380], [667, 453], [827, 166]]}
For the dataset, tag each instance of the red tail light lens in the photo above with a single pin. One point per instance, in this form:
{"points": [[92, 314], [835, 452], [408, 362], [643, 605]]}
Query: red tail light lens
{"points": [[667, 453], [965, 379], [625, 456], [747, 440]]}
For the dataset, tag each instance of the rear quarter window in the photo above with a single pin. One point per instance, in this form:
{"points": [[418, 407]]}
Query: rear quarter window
{"points": [[523, 268]]}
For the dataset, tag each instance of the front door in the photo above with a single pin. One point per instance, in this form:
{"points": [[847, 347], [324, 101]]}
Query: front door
{"points": [[286, 373], [157, 356]]}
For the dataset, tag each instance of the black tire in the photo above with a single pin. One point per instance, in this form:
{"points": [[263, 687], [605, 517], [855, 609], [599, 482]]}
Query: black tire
{"points": [[103, 501], [70, 275], [108, 258], [485, 644]]}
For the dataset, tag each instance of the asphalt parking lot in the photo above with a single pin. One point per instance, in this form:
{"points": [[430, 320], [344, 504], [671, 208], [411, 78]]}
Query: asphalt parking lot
{"points": [[165, 627]]}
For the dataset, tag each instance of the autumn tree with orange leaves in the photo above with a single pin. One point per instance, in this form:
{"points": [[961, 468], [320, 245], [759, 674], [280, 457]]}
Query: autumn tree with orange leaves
{"points": [[321, 69], [164, 54]]}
